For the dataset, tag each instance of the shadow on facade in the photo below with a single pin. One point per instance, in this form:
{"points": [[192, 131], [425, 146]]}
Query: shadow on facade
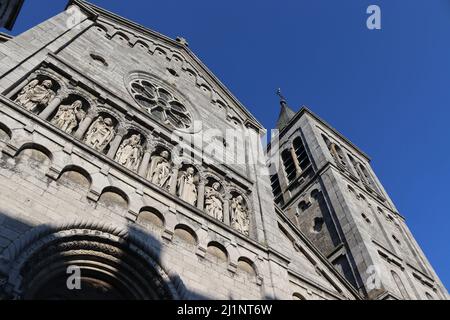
{"points": [[84, 261]]}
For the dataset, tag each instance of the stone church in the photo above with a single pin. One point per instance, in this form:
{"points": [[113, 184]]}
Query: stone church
{"points": [[106, 193]]}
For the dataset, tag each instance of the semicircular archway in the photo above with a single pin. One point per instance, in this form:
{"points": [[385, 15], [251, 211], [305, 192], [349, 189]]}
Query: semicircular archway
{"points": [[88, 264]]}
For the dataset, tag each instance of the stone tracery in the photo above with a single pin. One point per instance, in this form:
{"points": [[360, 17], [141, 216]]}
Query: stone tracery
{"points": [[161, 104]]}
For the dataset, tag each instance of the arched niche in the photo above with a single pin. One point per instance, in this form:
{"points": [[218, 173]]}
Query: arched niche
{"points": [[151, 217], [114, 199], [214, 198], [240, 212], [34, 156], [160, 52], [75, 176], [131, 149], [141, 45], [121, 38], [38, 92], [101, 141], [400, 286], [247, 267], [99, 28], [216, 252], [70, 113], [185, 235], [160, 167], [191, 74], [188, 183], [298, 296]]}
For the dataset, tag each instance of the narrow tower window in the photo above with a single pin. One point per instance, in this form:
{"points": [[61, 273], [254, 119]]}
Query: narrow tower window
{"points": [[300, 152], [289, 166]]}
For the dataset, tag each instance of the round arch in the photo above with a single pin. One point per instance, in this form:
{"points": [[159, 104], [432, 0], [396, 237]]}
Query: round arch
{"points": [[112, 263]]}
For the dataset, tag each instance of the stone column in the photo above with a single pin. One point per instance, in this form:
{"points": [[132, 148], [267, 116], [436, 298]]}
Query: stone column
{"points": [[84, 125], [201, 195], [226, 210], [145, 163], [115, 144], [174, 179], [53, 105]]}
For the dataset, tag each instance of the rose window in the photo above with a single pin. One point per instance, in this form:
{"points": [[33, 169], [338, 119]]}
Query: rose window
{"points": [[161, 104]]}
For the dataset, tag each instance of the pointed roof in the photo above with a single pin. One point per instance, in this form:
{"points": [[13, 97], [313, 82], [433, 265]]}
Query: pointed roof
{"points": [[286, 113]]}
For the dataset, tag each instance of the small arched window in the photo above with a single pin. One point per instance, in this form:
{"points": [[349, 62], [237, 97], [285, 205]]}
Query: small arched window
{"points": [[367, 177], [289, 166], [276, 188], [340, 158], [400, 285]]}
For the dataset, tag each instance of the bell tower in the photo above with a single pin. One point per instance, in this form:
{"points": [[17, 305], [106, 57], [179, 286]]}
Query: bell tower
{"points": [[327, 187]]}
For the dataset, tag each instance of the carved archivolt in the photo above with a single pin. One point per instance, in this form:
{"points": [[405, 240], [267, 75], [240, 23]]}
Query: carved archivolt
{"points": [[21, 260]]}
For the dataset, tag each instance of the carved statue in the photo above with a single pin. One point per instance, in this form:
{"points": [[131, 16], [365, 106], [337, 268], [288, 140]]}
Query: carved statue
{"points": [[239, 215], [130, 152], [69, 116], [213, 202], [35, 94], [100, 134], [159, 172], [186, 186]]}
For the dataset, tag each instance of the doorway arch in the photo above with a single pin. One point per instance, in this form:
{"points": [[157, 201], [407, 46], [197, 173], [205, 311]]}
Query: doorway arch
{"points": [[99, 262]]}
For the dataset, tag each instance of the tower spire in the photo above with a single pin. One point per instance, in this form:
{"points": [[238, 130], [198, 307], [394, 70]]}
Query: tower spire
{"points": [[286, 113]]}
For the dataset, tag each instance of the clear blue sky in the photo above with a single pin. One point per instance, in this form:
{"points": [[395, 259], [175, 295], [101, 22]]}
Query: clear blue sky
{"points": [[388, 91]]}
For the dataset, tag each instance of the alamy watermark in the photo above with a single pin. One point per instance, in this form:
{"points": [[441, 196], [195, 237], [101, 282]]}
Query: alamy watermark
{"points": [[231, 147], [74, 279], [373, 281], [75, 17], [374, 20]]}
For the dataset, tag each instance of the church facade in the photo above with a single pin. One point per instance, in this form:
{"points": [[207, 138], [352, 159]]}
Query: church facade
{"points": [[128, 171]]}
